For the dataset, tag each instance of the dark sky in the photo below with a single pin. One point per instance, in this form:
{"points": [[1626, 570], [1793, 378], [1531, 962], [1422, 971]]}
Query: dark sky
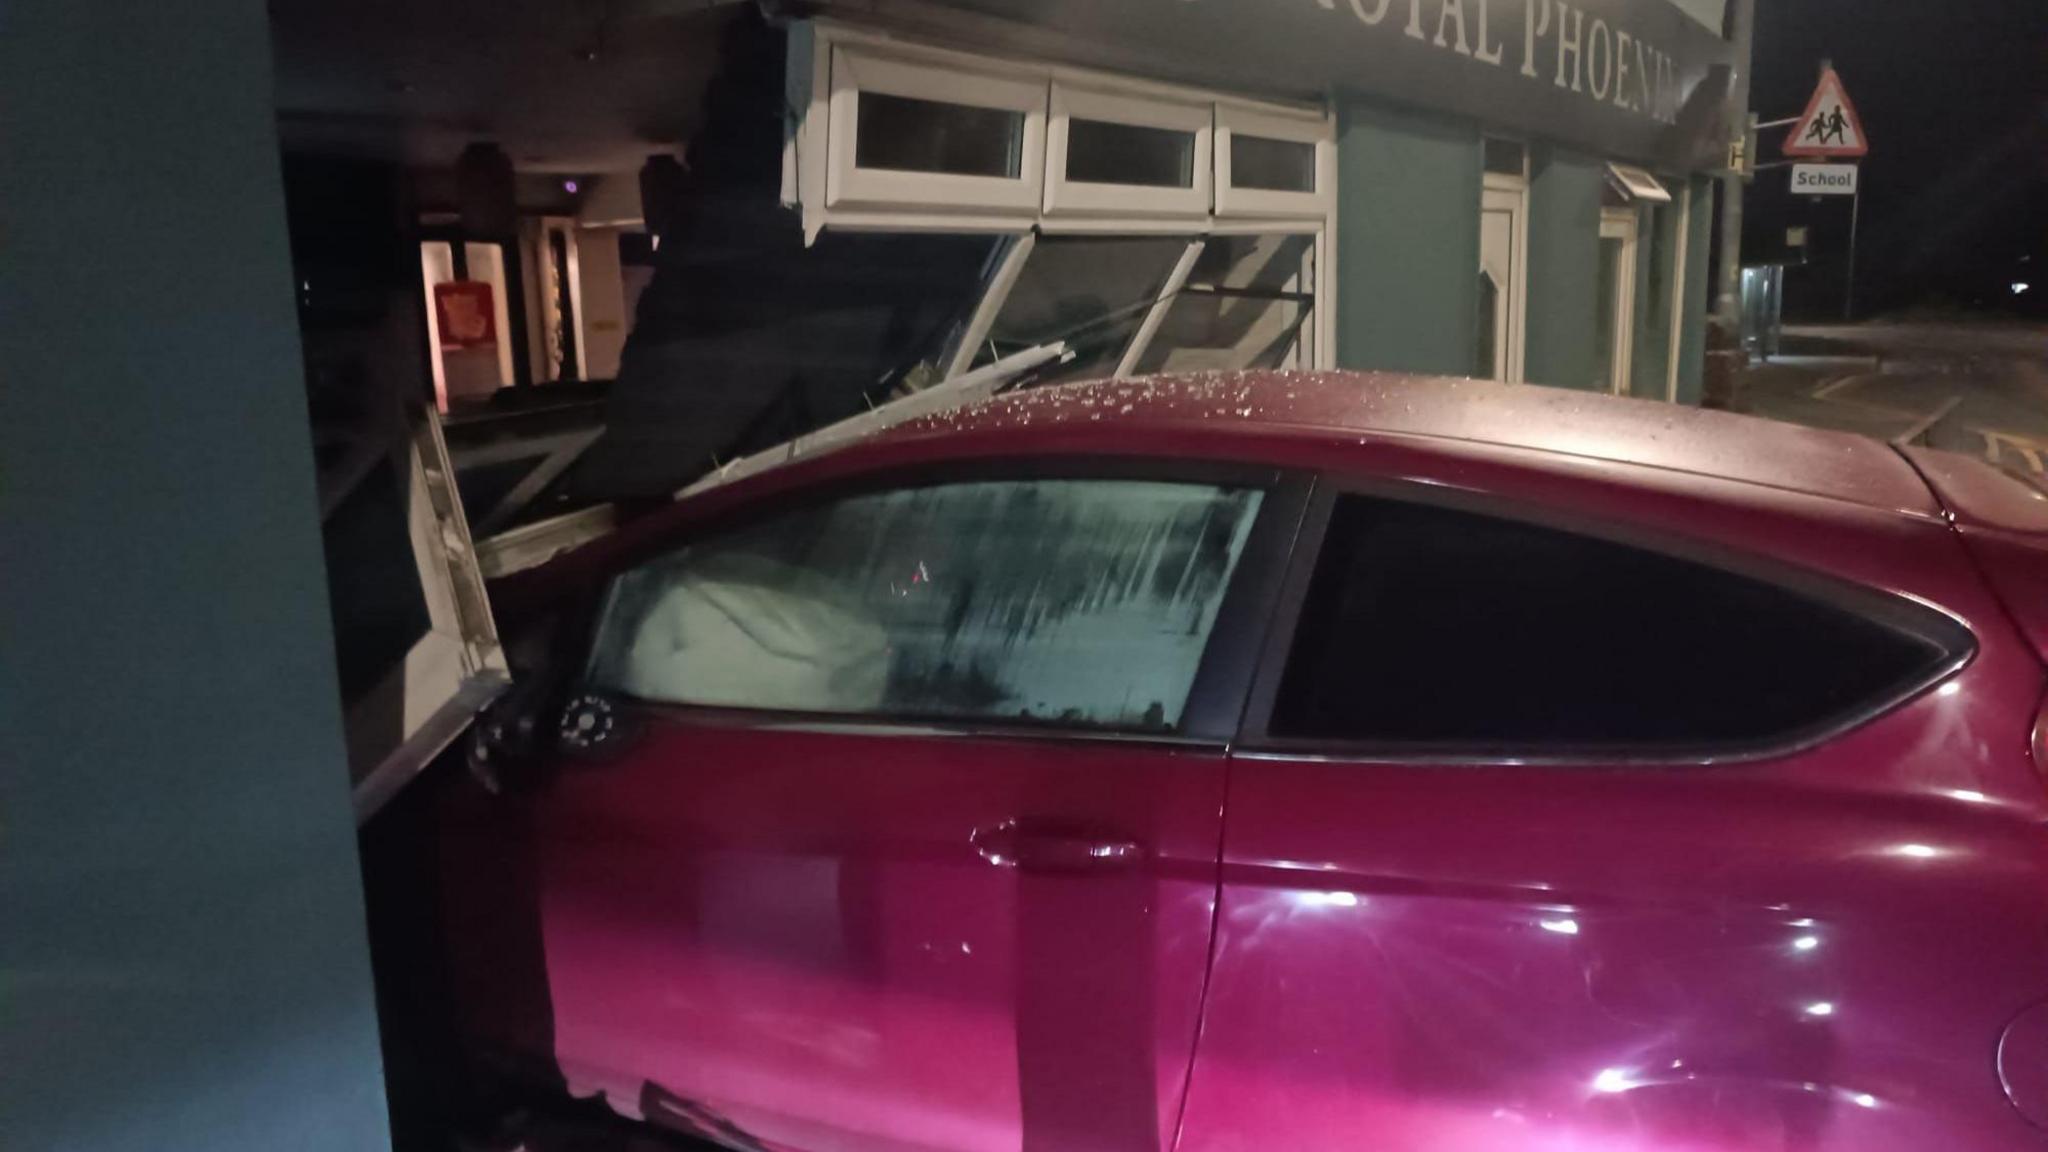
{"points": [[1954, 97]]}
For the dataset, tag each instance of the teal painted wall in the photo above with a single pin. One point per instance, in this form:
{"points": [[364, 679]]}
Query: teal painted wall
{"points": [[182, 955], [1656, 266], [1407, 240], [1699, 277], [1564, 270]]}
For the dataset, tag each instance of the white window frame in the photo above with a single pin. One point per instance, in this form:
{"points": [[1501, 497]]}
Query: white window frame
{"points": [[945, 78], [994, 294], [1637, 184], [457, 666], [1309, 336], [1090, 98], [1274, 122], [819, 178], [1625, 225], [1681, 241], [1156, 315]]}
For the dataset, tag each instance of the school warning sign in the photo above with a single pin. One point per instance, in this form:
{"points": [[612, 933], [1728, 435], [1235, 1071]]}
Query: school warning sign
{"points": [[1830, 128]]}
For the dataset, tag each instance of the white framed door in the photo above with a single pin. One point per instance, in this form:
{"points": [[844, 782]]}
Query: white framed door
{"points": [[1615, 332], [1503, 280]]}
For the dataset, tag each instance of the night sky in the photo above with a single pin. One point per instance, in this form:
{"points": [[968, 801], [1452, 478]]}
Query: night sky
{"points": [[1954, 98]]}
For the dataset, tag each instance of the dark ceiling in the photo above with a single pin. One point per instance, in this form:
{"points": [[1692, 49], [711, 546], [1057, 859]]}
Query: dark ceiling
{"points": [[567, 86]]}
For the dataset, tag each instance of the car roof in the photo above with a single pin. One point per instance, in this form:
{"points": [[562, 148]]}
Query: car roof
{"points": [[1563, 422]]}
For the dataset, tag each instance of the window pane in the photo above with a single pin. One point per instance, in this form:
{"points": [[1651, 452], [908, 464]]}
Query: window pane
{"points": [[905, 134], [1607, 309], [1091, 291], [1083, 602], [1272, 165], [1433, 626], [1100, 152], [1243, 307], [1506, 157]]}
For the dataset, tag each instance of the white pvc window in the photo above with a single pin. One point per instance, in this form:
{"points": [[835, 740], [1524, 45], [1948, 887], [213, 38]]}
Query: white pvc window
{"points": [[932, 135], [1273, 163], [889, 136], [1636, 184], [1093, 293], [1245, 303], [1119, 153]]}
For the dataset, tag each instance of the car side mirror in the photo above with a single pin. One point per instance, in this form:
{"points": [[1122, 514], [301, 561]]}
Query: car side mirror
{"points": [[507, 743], [513, 739]]}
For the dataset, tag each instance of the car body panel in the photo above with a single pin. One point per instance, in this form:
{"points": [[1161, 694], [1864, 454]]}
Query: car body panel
{"points": [[1978, 494], [1416, 956], [786, 927], [2003, 520], [1644, 955], [1552, 421], [1391, 965]]}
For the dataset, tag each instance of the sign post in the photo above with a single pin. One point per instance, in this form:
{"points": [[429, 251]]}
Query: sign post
{"points": [[1830, 130], [1849, 285]]}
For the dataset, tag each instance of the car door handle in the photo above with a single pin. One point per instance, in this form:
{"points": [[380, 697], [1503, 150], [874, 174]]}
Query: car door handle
{"points": [[1032, 846]]}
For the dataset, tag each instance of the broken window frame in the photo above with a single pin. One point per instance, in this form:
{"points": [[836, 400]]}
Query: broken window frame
{"points": [[457, 666], [820, 138], [822, 125]]}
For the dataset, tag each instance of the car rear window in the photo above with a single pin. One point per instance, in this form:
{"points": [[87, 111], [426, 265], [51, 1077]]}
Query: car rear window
{"points": [[1086, 603], [1431, 626]]}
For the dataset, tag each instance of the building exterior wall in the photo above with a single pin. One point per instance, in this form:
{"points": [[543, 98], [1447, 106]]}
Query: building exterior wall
{"points": [[1660, 233], [1407, 239], [182, 954], [1564, 269], [1699, 259], [1408, 245]]}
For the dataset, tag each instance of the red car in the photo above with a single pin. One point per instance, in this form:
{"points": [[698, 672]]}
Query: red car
{"points": [[1291, 762]]}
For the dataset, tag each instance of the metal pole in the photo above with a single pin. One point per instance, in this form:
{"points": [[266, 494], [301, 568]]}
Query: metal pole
{"points": [[1855, 216], [1727, 305]]}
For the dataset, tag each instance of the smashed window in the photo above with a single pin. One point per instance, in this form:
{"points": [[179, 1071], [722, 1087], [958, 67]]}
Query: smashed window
{"points": [[1081, 602], [1244, 306], [1090, 291]]}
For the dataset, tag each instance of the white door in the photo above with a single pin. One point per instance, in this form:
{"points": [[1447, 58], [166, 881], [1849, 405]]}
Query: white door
{"points": [[1614, 339], [1503, 247]]}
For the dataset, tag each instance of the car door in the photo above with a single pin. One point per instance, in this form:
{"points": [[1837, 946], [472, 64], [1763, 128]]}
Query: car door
{"points": [[890, 817], [1552, 829]]}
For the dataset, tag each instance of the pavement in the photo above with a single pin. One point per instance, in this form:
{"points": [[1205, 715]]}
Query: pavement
{"points": [[1979, 387]]}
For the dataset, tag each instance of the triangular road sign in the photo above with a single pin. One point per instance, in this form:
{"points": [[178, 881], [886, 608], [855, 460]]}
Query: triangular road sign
{"points": [[1830, 127]]}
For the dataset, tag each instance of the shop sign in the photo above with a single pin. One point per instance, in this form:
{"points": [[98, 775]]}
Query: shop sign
{"points": [[1631, 79]]}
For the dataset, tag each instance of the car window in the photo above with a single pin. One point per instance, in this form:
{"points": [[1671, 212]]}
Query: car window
{"points": [[1084, 602], [1425, 625]]}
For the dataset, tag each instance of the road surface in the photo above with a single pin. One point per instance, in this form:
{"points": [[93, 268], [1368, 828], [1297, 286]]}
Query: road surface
{"points": [[1976, 387]]}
